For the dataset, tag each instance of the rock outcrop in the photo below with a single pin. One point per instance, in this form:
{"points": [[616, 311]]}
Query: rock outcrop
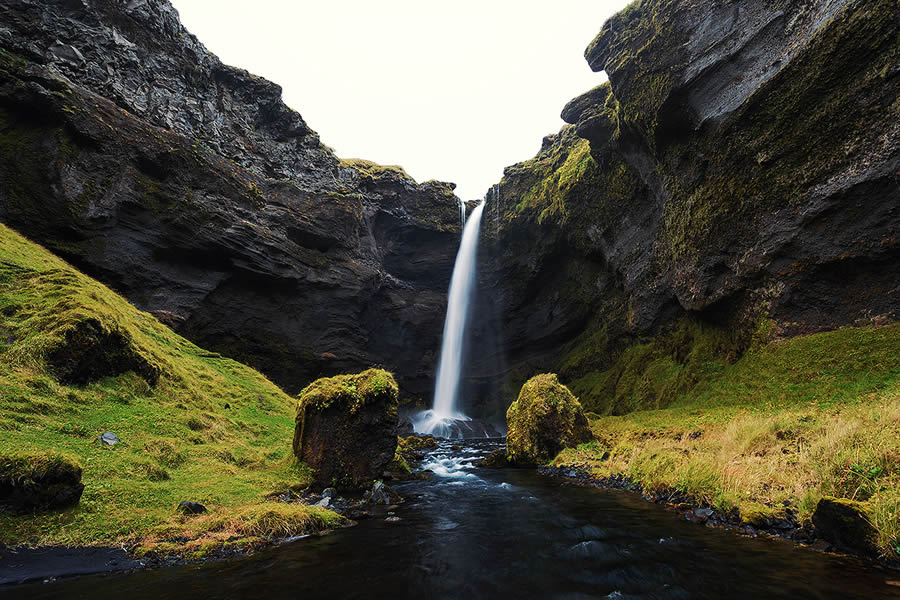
{"points": [[189, 187], [845, 523], [738, 173], [38, 482], [347, 428], [543, 420]]}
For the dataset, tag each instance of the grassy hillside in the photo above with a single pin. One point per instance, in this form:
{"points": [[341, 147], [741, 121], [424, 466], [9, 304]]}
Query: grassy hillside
{"points": [[194, 425], [790, 421]]}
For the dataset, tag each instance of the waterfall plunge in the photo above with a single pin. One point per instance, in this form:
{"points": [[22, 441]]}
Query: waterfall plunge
{"points": [[440, 420]]}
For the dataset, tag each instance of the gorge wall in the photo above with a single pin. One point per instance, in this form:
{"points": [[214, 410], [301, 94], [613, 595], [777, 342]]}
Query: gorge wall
{"points": [[735, 180], [189, 187]]}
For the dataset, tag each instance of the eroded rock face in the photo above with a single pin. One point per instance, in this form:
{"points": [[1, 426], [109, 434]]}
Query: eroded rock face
{"points": [[741, 164], [543, 420], [347, 428], [189, 187]]}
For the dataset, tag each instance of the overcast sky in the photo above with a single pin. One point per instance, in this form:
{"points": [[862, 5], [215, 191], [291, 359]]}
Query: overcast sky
{"points": [[449, 90]]}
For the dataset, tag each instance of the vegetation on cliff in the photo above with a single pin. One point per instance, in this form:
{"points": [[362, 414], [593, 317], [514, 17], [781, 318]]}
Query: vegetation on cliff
{"points": [[202, 428]]}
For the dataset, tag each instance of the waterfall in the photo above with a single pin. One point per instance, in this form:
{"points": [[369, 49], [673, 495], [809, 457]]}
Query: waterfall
{"points": [[439, 420]]}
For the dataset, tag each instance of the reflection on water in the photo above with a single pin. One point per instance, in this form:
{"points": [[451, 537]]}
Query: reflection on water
{"points": [[479, 533]]}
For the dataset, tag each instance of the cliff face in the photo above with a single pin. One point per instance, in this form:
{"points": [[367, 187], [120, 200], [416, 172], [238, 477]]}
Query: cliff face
{"points": [[193, 190], [736, 178]]}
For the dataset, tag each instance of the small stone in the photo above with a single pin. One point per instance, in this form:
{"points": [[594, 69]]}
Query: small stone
{"points": [[324, 502], [392, 519], [109, 439], [328, 492], [703, 512], [191, 508]]}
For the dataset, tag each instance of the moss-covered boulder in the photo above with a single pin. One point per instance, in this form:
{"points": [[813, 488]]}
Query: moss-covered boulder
{"points": [[347, 428], [544, 419], [38, 481], [845, 524]]}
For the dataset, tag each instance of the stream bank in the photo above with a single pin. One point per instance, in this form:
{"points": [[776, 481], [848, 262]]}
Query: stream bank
{"points": [[476, 533]]}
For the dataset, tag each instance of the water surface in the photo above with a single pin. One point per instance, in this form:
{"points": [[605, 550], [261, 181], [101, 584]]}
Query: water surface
{"points": [[479, 533]]}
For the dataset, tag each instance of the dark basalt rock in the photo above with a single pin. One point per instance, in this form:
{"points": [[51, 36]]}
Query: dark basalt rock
{"points": [[347, 428], [844, 523], [495, 460], [193, 190], [741, 163]]}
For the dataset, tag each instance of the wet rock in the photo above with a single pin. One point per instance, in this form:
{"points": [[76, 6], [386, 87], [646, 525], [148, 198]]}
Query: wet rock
{"points": [[405, 427], [38, 482], [188, 507], [544, 419], [380, 494], [494, 460], [329, 492], [108, 439], [845, 524], [346, 428]]}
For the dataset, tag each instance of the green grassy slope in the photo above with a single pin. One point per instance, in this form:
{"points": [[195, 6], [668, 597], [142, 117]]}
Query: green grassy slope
{"points": [[179, 440], [791, 420]]}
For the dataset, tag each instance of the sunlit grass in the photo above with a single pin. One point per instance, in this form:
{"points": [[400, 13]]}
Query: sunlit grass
{"points": [[210, 430], [791, 421]]}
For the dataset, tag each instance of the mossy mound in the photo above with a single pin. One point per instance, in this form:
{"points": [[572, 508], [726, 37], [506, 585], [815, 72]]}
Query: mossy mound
{"points": [[346, 428], [544, 419], [39, 481], [845, 524]]}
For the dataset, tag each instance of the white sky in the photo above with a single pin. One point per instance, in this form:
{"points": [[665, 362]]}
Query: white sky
{"points": [[451, 90]]}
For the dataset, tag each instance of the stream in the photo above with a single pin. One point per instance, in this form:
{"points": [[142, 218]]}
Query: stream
{"points": [[469, 532]]}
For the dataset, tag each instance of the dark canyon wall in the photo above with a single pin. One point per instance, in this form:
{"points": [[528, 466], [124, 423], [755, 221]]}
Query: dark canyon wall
{"points": [[735, 180], [189, 187]]}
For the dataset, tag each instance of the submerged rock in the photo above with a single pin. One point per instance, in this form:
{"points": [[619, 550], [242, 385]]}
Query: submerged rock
{"points": [[844, 523], [39, 482], [347, 428], [544, 419]]}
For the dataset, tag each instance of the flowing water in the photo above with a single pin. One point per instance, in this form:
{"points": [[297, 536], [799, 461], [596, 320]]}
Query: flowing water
{"points": [[439, 420], [478, 533]]}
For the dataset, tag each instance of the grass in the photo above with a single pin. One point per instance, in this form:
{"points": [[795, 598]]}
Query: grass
{"points": [[209, 430], [790, 421]]}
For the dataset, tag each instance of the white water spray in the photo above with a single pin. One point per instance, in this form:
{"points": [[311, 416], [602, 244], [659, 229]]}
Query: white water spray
{"points": [[437, 420]]}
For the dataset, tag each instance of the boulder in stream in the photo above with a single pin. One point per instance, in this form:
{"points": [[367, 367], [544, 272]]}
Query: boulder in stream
{"points": [[544, 419], [347, 428]]}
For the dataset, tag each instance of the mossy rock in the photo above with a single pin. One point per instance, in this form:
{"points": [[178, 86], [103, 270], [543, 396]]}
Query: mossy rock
{"points": [[346, 428], [544, 419], [495, 460], [845, 524], [39, 481]]}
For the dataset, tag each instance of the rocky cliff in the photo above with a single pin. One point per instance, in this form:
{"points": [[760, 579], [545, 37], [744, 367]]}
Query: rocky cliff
{"points": [[190, 187], [735, 179]]}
